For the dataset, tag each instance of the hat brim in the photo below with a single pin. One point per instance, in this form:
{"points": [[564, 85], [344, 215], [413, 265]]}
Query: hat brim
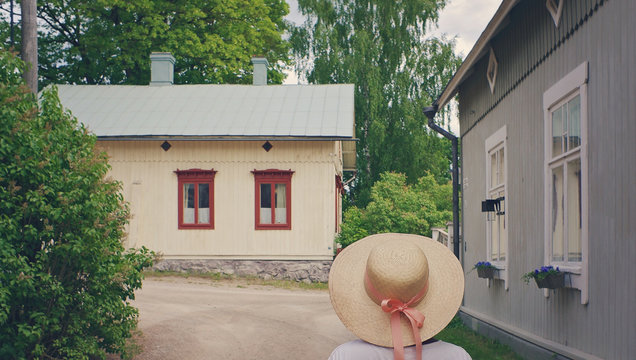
{"points": [[366, 319]]}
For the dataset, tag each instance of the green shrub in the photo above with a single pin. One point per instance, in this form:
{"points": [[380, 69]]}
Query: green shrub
{"points": [[66, 280], [398, 207]]}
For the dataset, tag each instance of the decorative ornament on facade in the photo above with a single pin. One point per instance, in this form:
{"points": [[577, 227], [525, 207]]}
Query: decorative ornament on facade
{"points": [[491, 73]]}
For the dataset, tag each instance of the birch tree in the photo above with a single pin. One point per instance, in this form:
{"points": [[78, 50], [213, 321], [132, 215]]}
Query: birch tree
{"points": [[382, 47]]}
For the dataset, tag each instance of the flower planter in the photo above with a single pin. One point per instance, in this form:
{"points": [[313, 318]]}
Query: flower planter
{"points": [[486, 273], [552, 281]]}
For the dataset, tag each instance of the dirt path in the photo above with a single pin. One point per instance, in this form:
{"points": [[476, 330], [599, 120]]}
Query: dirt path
{"points": [[200, 319]]}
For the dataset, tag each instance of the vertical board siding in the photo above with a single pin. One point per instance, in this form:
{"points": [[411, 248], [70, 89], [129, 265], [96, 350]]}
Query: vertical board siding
{"points": [[533, 54], [521, 47], [147, 175]]}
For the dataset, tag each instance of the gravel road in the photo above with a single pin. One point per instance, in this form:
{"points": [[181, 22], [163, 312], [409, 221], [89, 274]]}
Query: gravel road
{"points": [[200, 319]]}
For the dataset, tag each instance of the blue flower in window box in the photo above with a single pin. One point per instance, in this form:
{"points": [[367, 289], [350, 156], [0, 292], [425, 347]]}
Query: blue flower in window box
{"points": [[485, 269], [546, 277]]}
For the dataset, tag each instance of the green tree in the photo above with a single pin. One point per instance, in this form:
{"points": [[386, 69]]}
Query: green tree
{"points": [[109, 42], [66, 280], [381, 47], [399, 207]]}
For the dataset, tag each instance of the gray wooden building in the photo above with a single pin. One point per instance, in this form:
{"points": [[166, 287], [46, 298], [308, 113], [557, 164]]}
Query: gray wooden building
{"points": [[547, 104]]}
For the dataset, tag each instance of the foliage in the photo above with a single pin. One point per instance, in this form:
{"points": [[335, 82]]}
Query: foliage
{"points": [[109, 42], [382, 48], [540, 273], [477, 346], [66, 279], [398, 207]]}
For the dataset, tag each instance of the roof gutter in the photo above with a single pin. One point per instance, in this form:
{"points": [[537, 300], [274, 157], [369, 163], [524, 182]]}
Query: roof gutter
{"points": [[430, 112], [222, 138]]}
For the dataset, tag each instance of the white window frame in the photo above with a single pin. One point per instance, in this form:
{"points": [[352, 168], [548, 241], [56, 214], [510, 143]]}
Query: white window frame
{"points": [[496, 142], [573, 83]]}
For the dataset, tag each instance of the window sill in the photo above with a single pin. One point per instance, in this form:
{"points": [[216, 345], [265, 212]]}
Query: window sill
{"points": [[196, 227], [273, 227], [575, 278], [572, 269], [501, 274]]}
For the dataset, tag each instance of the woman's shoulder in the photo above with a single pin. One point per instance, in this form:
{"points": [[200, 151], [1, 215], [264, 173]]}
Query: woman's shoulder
{"points": [[358, 349], [443, 350]]}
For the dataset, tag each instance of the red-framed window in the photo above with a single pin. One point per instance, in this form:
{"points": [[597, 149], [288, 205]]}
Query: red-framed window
{"points": [[196, 198], [273, 199]]}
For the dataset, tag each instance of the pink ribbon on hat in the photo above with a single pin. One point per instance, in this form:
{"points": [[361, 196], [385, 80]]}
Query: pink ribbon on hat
{"points": [[396, 307]]}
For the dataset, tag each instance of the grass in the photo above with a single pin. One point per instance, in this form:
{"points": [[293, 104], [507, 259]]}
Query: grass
{"points": [[239, 281], [478, 346]]}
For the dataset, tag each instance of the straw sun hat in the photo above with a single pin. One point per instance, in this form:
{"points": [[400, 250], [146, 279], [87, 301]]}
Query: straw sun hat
{"points": [[383, 268]]}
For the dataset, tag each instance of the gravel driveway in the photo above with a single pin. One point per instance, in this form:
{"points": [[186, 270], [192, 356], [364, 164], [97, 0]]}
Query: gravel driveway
{"points": [[200, 319]]}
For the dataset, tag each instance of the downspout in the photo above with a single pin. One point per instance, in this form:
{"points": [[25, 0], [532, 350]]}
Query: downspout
{"points": [[430, 112]]}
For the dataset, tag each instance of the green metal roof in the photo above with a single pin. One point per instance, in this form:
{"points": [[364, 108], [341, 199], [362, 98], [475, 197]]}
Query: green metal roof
{"points": [[213, 111]]}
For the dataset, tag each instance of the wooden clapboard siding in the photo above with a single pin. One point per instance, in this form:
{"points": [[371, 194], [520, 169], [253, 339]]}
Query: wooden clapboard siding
{"points": [[147, 174], [533, 55], [521, 47]]}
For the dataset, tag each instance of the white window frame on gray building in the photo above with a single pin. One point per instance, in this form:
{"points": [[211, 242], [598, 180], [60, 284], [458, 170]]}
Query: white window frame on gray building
{"points": [[496, 188], [565, 185]]}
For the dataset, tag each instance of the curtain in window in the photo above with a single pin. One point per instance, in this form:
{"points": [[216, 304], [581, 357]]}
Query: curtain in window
{"points": [[557, 214], [266, 204], [188, 203], [574, 210], [204, 204], [281, 204]]}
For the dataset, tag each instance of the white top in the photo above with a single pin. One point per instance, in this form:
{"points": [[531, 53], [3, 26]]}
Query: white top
{"points": [[361, 350]]}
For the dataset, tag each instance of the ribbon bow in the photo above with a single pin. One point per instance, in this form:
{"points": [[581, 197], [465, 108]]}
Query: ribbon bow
{"points": [[396, 307]]}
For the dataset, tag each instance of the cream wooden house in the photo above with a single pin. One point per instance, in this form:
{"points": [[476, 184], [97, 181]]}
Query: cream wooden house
{"points": [[226, 177]]}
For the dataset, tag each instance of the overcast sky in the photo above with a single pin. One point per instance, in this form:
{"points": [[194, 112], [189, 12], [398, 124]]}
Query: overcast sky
{"points": [[463, 19]]}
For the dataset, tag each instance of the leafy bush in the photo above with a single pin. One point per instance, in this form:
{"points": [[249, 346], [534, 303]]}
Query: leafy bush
{"points": [[398, 207], [66, 279]]}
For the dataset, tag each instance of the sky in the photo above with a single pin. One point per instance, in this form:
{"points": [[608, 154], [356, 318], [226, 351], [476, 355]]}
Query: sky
{"points": [[463, 19]]}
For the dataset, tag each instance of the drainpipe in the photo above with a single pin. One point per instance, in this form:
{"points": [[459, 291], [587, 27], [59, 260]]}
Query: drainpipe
{"points": [[430, 112]]}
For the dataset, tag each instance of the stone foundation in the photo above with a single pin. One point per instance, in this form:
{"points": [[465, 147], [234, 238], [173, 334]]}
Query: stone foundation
{"points": [[307, 271]]}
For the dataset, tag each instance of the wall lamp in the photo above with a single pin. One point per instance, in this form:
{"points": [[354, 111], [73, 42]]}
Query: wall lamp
{"points": [[494, 207]]}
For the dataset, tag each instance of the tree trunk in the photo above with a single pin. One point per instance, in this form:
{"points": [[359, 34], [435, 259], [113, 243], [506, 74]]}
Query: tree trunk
{"points": [[30, 43]]}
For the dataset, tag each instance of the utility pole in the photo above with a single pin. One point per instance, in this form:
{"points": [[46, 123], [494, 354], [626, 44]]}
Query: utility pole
{"points": [[11, 37], [30, 43]]}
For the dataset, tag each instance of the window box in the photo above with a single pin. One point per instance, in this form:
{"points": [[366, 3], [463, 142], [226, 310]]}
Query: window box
{"points": [[272, 203], [546, 277], [196, 198], [486, 273], [485, 269], [552, 281]]}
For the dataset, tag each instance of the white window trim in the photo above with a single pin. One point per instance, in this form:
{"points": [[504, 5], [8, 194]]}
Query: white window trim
{"points": [[576, 80], [498, 140]]}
